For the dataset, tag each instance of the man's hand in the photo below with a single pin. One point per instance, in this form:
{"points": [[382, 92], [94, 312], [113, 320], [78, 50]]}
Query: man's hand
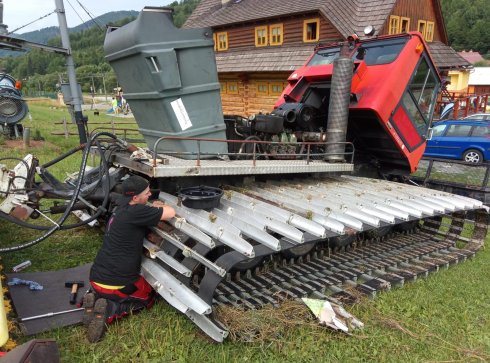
{"points": [[168, 211], [158, 204]]}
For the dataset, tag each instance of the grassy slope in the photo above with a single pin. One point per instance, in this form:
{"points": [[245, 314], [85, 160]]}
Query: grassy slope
{"points": [[443, 318]]}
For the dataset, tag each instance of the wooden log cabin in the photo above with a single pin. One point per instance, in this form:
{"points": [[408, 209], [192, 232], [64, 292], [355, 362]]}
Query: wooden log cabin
{"points": [[259, 43]]}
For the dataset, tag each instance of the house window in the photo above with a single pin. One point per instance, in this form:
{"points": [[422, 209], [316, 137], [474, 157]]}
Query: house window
{"points": [[275, 88], [404, 25], [222, 41], [214, 41], [275, 34], [421, 27], [311, 30], [223, 87], [260, 36], [262, 89], [429, 32], [394, 25], [232, 88]]}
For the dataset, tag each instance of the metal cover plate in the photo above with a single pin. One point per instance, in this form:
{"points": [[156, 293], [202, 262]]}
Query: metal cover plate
{"points": [[180, 167]]}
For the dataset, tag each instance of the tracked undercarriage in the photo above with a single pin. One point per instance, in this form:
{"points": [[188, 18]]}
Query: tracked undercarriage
{"points": [[273, 241], [285, 221]]}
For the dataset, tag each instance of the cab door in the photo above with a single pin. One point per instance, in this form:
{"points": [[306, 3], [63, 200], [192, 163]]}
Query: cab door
{"points": [[413, 115]]}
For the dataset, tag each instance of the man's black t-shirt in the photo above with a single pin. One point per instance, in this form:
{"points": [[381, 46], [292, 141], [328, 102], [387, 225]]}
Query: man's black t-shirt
{"points": [[118, 261]]}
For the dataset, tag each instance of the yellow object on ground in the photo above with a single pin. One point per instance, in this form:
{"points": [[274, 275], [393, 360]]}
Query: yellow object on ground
{"points": [[4, 331]]}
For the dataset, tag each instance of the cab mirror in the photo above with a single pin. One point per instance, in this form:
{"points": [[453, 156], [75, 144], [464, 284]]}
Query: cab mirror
{"points": [[429, 133]]}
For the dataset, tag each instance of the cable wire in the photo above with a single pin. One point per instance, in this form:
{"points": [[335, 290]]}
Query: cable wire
{"points": [[83, 21], [32, 22], [90, 16]]}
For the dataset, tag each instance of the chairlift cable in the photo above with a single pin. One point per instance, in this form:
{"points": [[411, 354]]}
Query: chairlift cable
{"points": [[90, 15], [73, 8], [32, 22]]}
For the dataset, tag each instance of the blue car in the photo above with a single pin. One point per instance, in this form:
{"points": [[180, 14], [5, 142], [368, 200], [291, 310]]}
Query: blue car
{"points": [[467, 140]]}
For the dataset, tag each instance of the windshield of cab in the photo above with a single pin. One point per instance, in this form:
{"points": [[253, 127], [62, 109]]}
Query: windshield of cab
{"points": [[373, 53]]}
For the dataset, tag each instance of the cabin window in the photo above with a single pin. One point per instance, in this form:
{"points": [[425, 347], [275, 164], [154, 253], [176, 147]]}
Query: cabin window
{"points": [[262, 89], [222, 41], [232, 88], [276, 36], [404, 25], [382, 52], [394, 25], [311, 30], [421, 27], [275, 88], [223, 87], [429, 33], [419, 100], [261, 36], [324, 56]]}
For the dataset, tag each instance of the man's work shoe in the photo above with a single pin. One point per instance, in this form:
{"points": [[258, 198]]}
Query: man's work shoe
{"points": [[88, 312], [97, 326]]}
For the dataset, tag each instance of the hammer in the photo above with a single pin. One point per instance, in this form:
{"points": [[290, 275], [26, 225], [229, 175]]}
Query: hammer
{"points": [[74, 289]]}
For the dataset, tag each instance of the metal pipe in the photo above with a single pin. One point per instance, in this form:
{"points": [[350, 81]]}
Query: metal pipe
{"points": [[50, 314], [188, 252], [338, 110], [70, 68], [3, 27]]}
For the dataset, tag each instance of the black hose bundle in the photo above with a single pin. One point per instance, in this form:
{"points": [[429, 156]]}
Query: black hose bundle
{"points": [[59, 224]]}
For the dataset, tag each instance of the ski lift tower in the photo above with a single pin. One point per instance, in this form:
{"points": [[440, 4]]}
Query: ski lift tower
{"points": [[73, 91]]}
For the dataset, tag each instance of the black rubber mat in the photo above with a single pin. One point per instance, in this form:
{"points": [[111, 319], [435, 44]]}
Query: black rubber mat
{"points": [[54, 297]]}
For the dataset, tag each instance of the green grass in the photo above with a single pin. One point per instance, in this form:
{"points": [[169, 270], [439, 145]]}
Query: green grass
{"points": [[444, 318], [468, 175]]}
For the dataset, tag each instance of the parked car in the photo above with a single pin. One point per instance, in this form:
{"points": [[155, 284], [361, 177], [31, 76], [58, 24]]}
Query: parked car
{"points": [[478, 116], [467, 140]]}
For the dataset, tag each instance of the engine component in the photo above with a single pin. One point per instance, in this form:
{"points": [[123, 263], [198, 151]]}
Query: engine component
{"points": [[302, 115], [269, 124], [311, 136]]}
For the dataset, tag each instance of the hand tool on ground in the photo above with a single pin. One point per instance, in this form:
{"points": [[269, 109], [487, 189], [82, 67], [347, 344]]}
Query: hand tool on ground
{"points": [[74, 289], [50, 314]]}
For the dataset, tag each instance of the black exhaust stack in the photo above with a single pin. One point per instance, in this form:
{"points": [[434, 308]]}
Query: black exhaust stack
{"points": [[338, 111]]}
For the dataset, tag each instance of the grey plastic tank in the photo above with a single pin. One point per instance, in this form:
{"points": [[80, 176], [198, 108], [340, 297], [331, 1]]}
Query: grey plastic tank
{"points": [[169, 77]]}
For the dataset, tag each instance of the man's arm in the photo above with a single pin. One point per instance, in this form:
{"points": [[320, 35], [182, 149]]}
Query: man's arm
{"points": [[168, 212]]}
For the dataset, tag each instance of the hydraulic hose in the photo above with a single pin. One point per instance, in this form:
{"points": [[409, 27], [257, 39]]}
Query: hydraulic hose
{"points": [[71, 203], [251, 137], [63, 156], [101, 209], [18, 159]]}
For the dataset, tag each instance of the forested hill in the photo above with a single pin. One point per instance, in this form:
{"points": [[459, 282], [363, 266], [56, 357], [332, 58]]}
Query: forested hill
{"points": [[44, 35], [468, 24]]}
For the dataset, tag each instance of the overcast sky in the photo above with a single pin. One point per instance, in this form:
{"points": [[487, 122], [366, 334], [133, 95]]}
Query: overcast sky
{"points": [[17, 13]]}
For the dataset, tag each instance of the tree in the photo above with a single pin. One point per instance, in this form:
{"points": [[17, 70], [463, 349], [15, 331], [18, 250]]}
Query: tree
{"points": [[182, 10], [467, 24]]}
